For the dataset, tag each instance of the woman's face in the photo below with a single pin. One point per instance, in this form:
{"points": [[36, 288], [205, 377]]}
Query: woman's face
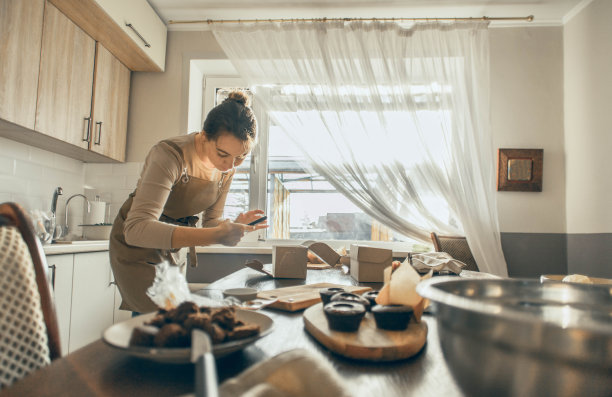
{"points": [[226, 152]]}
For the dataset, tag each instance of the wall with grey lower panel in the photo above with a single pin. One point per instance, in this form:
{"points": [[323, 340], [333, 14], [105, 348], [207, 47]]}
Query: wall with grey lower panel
{"points": [[590, 254], [534, 254]]}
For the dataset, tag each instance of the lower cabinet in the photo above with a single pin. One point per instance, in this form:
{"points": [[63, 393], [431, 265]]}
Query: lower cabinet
{"points": [[93, 298], [86, 298], [60, 277]]}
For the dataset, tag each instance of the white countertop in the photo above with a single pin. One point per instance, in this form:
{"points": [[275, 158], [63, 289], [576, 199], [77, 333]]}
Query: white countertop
{"points": [[76, 247], [243, 248]]}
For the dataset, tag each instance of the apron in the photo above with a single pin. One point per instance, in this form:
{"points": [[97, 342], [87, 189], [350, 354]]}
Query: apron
{"points": [[134, 267]]}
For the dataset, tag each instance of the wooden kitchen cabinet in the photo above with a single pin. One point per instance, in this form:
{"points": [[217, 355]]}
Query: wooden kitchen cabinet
{"points": [[60, 278], [83, 91], [61, 88], [66, 79], [110, 105], [21, 31], [131, 30], [93, 298]]}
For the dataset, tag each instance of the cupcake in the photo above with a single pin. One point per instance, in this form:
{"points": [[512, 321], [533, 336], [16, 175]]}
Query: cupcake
{"points": [[350, 297], [371, 297], [344, 316], [327, 293], [392, 317]]}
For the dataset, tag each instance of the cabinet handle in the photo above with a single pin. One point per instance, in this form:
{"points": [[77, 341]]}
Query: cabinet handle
{"points": [[86, 139], [129, 25], [53, 267], [97, 141]]}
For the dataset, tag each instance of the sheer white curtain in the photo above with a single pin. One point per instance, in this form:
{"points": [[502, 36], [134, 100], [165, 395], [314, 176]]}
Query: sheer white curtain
{"points": [[397, 119]]}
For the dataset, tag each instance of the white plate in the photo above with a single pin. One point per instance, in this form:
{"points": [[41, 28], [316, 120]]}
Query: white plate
{"points": [[118, 336]]}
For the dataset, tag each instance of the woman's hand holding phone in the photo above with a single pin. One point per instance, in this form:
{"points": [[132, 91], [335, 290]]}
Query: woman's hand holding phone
{"points": [[253, 218], [258, 220]]}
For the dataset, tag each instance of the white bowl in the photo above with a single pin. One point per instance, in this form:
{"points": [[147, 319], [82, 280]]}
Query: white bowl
{"points": [[242, 294]]}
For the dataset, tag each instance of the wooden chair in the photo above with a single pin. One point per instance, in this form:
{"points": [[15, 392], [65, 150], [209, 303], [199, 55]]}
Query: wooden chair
{"points": [[30, 333], [457, 247]]}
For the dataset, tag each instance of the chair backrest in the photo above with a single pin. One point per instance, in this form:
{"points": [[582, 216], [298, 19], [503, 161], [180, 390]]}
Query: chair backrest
{"points": [[30, 333], [457, 247]]}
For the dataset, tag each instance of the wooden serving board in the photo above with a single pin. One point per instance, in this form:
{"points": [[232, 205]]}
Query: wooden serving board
{"points": [[369, 342], [302, 296]]}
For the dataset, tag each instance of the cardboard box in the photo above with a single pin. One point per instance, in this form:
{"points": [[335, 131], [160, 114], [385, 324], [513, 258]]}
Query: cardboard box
{"points": [[289, 261], [369, 263]]}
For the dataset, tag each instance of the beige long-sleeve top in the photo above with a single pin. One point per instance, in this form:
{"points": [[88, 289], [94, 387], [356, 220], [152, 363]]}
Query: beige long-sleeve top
{"points": [[163, 168]]}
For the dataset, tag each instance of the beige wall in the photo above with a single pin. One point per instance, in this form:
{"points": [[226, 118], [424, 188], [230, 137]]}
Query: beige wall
{"points": [[158, 101], [527, 112], [588, 119]]}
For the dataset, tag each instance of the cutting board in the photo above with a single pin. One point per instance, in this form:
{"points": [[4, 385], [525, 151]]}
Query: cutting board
{"points": [[302, 296], [369, 342]]}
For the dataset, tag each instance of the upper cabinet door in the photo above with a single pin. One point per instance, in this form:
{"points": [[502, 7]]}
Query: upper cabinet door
{"points": [[20, 32], [140, 22], [129, 29], [110, 105], [66, 79]]}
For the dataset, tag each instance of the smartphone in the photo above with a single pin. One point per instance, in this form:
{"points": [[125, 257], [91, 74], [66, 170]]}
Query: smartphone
{"points": [[258, 220]]}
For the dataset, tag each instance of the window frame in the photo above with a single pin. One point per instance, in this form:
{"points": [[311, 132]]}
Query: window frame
{"points": [[258, 174]]}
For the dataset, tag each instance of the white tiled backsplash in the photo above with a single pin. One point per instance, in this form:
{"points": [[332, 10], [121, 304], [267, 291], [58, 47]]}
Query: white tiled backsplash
{"points": [[29, 176], [112, 182]]}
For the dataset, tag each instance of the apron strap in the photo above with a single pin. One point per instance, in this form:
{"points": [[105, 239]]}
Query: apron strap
{"points": [[193, 258]]}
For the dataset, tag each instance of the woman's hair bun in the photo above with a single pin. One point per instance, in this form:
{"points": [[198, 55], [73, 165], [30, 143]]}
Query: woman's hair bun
{"points": [[238, 96]]}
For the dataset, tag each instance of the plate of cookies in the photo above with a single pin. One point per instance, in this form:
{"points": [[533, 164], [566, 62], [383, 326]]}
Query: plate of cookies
{"points": [[165, 335]]}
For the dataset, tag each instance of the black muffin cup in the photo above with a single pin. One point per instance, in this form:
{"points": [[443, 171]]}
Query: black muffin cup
{"points": [[344, 316], [327, 293], [350, 297], [371, 297], [392, 317]]}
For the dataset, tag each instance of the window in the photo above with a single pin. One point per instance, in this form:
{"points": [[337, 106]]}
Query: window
{"points": [[300, 205]]}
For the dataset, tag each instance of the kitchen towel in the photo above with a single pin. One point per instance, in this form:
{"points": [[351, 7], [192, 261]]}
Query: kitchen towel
{"points": [[97, 213], [436, 261]]}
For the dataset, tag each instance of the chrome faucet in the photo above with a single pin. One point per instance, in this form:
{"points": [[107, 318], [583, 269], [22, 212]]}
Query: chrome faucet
{"points": [[50, 224], [57, 192], [68, 202]]}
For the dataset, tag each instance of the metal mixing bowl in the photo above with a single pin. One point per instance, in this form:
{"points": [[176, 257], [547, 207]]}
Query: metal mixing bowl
{"points": [[513, 337]]}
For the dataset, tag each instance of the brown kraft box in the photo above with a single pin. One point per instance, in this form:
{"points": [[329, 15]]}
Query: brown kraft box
{"points": [[369, 263]]}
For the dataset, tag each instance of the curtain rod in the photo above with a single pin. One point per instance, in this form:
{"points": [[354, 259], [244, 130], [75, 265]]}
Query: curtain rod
{"points": [[484, 18]]}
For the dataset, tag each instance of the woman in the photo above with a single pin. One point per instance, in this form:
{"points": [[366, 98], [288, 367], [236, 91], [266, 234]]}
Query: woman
{"points": [[182, 176]]}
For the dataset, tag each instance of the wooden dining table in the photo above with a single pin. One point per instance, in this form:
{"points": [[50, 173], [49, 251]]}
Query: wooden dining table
{"points": [[101, 370]]}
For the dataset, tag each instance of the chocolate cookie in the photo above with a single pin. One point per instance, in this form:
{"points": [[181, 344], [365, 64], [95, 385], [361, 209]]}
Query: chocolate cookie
{"points": [[392, 317], [172, 335], [327, 293], [243, 331], [143, 335], [182, 311], [350, 297], [344, 316]]}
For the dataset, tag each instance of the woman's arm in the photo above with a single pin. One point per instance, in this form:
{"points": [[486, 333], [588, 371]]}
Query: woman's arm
{"points": [[142, 226], [226, 233]]}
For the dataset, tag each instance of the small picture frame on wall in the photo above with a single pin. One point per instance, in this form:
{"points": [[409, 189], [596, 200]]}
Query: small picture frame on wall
{"points": [[519, 170]]}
